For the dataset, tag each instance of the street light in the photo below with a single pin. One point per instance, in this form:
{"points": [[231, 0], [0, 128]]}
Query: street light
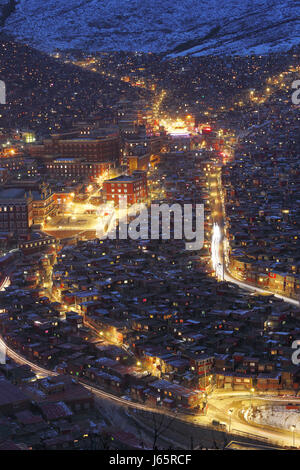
{"points": [[293, 427], [230, 413], [252, 390]]}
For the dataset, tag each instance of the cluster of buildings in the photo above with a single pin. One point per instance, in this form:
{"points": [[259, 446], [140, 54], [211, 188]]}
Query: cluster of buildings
{"points": [[53, 413], [50, 95], [85, 164], [142, 319], [146, 318], [261, 197], [44, 414]]}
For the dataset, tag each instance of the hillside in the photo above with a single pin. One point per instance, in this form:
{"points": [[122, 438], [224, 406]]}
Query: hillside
{"points": [[174, 27]]}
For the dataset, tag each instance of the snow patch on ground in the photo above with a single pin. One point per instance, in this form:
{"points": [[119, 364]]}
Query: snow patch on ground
{"points": [[276, 416], [176, 27]]}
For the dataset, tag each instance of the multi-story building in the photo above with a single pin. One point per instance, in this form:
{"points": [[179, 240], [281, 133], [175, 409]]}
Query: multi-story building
{"points": [[179, 142], [3, 175], [16, 211], [136, 144], [133, 187], [138, 162], [43, 204], [97, 146], [77, 168]]}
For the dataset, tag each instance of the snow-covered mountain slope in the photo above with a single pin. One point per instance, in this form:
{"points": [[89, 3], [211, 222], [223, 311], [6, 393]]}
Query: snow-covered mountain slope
{"points": [[173, 26]]}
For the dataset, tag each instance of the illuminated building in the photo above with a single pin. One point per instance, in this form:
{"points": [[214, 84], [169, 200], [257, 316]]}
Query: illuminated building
{"points": [[16, 214], [138, 162], [43, 204], [156, 143], [77, 168], [134, 187], [22, 165], [178, 142], [28, 137], [128, 126], [96, 146], [140, 144], [136, 144], [3, 175], [38, 242]]}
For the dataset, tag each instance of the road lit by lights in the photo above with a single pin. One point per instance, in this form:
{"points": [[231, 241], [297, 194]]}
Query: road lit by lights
{"points": [[215, 250]]}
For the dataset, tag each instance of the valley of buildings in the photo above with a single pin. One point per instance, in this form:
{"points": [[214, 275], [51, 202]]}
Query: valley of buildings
{"points": [[145, 320]]}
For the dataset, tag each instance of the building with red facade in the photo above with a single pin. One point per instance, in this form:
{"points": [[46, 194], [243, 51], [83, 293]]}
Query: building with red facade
{"points": [[76, 168], [133, 187], [96, 146], [16, 210]]}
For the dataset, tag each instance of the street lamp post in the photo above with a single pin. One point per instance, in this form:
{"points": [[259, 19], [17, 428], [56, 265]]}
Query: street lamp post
{"points": [[293, 427], [230, 413], [252, 390]]}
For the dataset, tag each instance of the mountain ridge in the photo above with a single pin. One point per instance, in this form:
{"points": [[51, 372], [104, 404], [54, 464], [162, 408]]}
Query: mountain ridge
{"points": [[172, 27]]}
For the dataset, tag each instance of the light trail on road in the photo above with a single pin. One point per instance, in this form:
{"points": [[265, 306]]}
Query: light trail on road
{"points": [[215, 250], [202, 421], [5, 283], [18, 358], [220, 245]]}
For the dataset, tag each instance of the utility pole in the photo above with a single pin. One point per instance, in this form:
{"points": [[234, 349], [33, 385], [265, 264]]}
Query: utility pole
{"points": [[230, 413], [293, 427]]}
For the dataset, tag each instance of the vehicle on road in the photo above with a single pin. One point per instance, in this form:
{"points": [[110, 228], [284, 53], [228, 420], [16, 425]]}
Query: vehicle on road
{"points": [[217, 424], [125, 397]]}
